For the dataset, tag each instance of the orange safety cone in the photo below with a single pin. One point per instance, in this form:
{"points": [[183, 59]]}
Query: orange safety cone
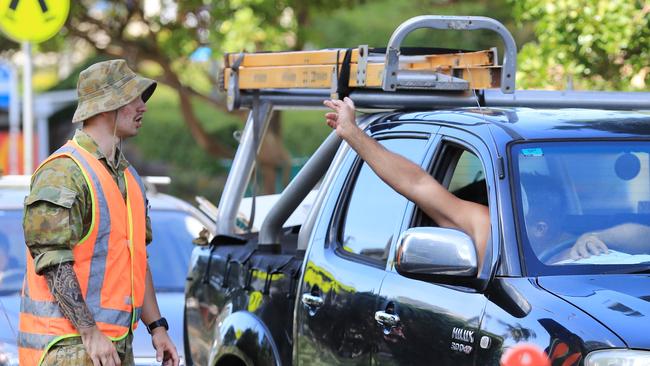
{"points": [[525, 355]]}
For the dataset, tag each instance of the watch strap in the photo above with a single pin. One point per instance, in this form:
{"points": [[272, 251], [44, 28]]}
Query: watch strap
{"points": [[162, 322]]}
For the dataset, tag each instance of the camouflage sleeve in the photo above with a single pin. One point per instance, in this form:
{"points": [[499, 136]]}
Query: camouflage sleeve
{"points": [[54, 212]]}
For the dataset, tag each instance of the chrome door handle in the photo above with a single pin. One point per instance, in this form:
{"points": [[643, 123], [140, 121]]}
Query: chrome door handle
{"points": [[386, 319], [312, 300]]}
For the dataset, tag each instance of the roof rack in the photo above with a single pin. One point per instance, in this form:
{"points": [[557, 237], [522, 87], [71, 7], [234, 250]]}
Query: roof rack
{"points": [[397, 78], [383, 79], [340, 71]]}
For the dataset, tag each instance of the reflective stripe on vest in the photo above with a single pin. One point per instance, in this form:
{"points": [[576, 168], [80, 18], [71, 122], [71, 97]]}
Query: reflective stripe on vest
{"points": [[110, 264]]}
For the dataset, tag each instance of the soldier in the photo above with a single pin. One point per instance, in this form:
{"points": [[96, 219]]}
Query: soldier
{"points": [[86, 229]]}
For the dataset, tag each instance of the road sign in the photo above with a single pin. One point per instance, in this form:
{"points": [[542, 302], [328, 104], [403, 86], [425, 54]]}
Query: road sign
{"points": [[5, 85], [32, 20], [9, 101]]}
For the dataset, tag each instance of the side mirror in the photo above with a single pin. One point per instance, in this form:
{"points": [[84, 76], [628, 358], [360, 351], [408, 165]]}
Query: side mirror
{"points": [[436, 251]]}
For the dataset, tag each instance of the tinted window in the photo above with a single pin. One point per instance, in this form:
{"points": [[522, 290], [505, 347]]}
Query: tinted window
{"points": [[170, 250], [374, 208], [571, 192], [12, 250], [468, 179]]}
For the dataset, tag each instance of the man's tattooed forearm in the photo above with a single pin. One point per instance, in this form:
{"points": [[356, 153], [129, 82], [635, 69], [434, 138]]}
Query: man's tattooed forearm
{"points": [[64, 285]]}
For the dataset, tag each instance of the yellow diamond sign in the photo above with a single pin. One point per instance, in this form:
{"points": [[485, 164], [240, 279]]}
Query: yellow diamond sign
{"points": [[32, 20]]}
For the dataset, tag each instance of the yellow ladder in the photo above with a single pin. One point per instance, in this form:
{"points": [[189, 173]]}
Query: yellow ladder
{"points": [[322, 69]]}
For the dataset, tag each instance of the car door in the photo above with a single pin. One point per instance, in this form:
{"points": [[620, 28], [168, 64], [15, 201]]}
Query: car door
{"points": [[438, 323], [347, 259]]}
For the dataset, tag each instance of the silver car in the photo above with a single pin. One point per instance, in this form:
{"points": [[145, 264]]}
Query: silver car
{"points": [[175, 223]]}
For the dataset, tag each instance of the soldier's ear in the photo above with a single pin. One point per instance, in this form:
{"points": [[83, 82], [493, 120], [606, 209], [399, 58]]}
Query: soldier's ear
{"points": [[109, 115]]}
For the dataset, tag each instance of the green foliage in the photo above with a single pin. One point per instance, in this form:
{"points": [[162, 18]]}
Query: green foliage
{"points": [[6, 44], [373, 22], [240, 25], [165, 138], [597, 44], [303, 131]]}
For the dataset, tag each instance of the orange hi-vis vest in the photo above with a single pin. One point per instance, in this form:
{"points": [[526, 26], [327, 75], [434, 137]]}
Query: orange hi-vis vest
{"points": [[110, 263]]}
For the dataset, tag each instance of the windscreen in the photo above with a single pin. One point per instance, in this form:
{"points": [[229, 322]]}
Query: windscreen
{"points": [[584, 203]]}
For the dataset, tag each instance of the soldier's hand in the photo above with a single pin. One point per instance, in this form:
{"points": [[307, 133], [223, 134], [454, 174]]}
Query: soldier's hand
{"points": [[165, 349], [101, 350], [342, 119], [588, 245]]}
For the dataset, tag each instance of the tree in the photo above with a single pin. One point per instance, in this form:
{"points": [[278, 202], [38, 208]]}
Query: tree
{"points": [[590, 44], [167, 35]]}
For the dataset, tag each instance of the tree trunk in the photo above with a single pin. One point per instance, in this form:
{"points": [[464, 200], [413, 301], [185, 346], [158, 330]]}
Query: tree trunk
{"points": [[203, 139]]}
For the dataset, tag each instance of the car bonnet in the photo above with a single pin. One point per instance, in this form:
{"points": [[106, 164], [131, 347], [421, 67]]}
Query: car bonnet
{"points": [[619, 302]]}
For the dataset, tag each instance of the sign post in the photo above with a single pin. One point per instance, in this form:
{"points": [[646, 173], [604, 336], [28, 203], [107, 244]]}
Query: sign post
{"points": [[31, 21], [28, 118]]}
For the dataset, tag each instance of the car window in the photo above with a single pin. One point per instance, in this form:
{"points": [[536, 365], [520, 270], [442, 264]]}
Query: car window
{"points": [[171, 247], [374, 208], [461, 171], [468, 179], [12, 250], [579, 192]]}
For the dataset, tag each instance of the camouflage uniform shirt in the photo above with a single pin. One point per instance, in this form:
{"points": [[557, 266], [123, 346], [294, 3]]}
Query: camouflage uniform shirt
{"points": [[58, 209]]}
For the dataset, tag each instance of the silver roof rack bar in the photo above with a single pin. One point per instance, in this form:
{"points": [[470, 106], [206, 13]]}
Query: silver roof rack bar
{"points": [[391, 78], [568, 99], [242, 165], [379, 100], [298, 189]]}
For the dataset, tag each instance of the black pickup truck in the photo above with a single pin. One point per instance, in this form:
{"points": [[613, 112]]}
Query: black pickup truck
{"points": [[369, 279]]}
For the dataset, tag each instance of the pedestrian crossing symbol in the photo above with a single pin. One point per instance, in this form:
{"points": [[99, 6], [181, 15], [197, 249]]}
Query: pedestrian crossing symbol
{"points": [[32, 20]]}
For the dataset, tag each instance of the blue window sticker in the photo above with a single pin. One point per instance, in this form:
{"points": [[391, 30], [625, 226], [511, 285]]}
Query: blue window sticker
{"points": [[533, 152]]}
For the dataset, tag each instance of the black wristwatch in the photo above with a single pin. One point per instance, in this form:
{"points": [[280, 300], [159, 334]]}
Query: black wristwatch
{"points": [[162, 322]]}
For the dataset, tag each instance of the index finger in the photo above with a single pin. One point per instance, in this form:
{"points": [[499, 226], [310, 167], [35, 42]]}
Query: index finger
{"points": [[331, 104], [171, 357], [348, 101], [116, 358], [602, 247]]}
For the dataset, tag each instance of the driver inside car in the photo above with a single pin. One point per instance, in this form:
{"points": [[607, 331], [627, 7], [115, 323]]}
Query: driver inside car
{"points": [[545, 215]]}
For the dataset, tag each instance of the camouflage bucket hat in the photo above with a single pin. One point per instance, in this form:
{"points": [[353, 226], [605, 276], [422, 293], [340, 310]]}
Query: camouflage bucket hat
{"points": [[107, 86]]}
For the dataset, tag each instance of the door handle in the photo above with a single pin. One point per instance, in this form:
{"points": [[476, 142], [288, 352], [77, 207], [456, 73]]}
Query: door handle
{"points": [[386, 319], [312, 301]]}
